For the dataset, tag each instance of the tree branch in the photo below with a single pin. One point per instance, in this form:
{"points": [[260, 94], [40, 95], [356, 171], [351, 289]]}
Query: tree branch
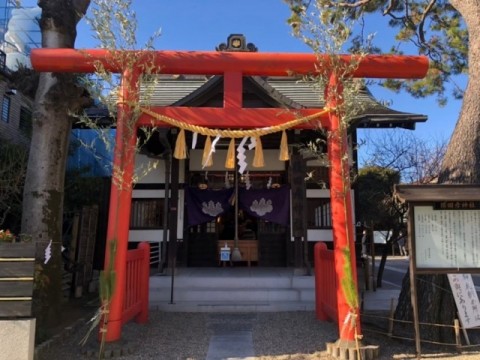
{"points": [[350, 5], [421, 33], [389, 8], [80, 7]]}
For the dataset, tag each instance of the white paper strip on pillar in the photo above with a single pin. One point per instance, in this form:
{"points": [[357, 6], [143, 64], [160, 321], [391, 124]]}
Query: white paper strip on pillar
{"points": [[212, 150], [242, 163], [48, 252], [194, 140], [253, 143]]}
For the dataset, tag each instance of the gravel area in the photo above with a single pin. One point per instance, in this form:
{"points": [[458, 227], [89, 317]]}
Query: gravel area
{"points": [[276, 336]]}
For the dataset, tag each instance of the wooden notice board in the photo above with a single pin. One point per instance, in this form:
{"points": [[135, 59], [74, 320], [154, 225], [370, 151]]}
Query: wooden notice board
{"points": [[444, 237]]}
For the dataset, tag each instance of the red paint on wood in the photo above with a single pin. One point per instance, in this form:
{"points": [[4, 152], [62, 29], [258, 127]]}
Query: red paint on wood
{"points": [[121, 199], [144, 288], [218, 63], [341, 203], [135, 303], [233, 118], [232, 90], [325, 283]]}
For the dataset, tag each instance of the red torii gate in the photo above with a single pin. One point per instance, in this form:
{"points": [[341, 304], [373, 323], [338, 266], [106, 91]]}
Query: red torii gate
{"points": [[232, 65]]}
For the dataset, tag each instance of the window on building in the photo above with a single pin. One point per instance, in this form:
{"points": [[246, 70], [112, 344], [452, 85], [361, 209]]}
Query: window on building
{"points": [[204, 228], [6, 109], [25, 124], [146, 214], [319, 213], [211, 227]]}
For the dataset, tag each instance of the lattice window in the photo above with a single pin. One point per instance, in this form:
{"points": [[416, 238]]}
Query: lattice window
{"points": [[146, 214], [211, 227], [319, 213]]}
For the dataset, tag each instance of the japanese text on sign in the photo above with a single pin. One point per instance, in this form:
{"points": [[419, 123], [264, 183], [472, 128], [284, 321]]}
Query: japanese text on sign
{"points": [[466, 299], [447, 238]]}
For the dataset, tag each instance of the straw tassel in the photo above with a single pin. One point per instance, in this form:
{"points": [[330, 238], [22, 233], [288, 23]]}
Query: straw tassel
{"points": [[258, 158], [180, 151], [206, 158], [230, 160], [284, 156]]}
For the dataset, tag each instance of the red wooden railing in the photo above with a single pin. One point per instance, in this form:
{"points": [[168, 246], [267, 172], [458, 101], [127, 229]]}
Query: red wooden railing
{"points": [[325, 283], [137, 281]]}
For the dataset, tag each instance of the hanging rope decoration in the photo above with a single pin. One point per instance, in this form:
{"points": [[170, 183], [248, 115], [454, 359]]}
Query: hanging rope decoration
{"points": [[180, 151], [284, 156], [206, 158], [258, 161], [230, 160]]}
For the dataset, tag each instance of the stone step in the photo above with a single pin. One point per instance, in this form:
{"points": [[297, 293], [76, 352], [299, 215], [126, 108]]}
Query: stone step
{"points": [[224, 307], [221, 294], [298, 282], [239, 293]]}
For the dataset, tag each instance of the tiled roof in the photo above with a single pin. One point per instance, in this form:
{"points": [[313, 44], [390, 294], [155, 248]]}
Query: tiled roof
{"points": [[185, 90], [290, 92]]}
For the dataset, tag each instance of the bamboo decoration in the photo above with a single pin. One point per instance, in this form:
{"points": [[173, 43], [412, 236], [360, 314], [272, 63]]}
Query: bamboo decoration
{"points": [[258, 160], [180, 151], [284, 156], [230, 160], [207, 160]]}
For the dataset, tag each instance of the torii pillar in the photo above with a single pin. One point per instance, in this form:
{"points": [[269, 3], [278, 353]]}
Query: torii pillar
{"points": [[233, 66]]}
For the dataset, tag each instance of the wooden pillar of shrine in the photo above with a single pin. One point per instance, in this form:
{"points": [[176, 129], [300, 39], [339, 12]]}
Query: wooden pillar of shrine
{"points": [[120, 203], [342, 219], [298, 170]]}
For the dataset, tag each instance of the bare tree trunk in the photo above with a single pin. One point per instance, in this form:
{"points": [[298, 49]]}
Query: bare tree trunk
{"points": [[56, 96], [461, 165], [462, 159], [381, 266], [437, 307]]}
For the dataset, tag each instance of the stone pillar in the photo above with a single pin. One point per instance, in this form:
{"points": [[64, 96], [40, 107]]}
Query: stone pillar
{"points": [[18, 339]]}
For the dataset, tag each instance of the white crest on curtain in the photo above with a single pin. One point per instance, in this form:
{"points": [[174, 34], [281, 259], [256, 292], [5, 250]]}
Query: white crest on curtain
{"points": [[211, 208], [261, 207]]}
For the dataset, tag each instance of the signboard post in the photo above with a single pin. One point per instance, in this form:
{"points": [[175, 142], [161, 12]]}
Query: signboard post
{"points": [[444, 238]]}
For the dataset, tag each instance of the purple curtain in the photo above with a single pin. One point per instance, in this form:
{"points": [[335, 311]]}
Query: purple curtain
{"points": [[268, 204], [205, 205]]}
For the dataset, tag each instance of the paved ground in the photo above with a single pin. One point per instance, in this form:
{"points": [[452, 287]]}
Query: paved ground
{"points": [[244, 336], [295, 335]]}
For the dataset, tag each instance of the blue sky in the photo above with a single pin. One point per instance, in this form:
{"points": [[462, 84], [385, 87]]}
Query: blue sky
{"points": [[202, 25]]}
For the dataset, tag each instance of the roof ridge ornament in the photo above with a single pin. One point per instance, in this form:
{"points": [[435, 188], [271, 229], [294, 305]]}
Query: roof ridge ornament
{"points": [[237, 42]]}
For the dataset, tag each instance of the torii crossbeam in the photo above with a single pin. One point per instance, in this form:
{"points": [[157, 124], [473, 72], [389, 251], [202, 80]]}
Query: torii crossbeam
{"points": [[232, 65]]}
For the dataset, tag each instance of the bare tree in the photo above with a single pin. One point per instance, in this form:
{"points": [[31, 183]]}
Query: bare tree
{"points": [[417, 161], [56, 97]]}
